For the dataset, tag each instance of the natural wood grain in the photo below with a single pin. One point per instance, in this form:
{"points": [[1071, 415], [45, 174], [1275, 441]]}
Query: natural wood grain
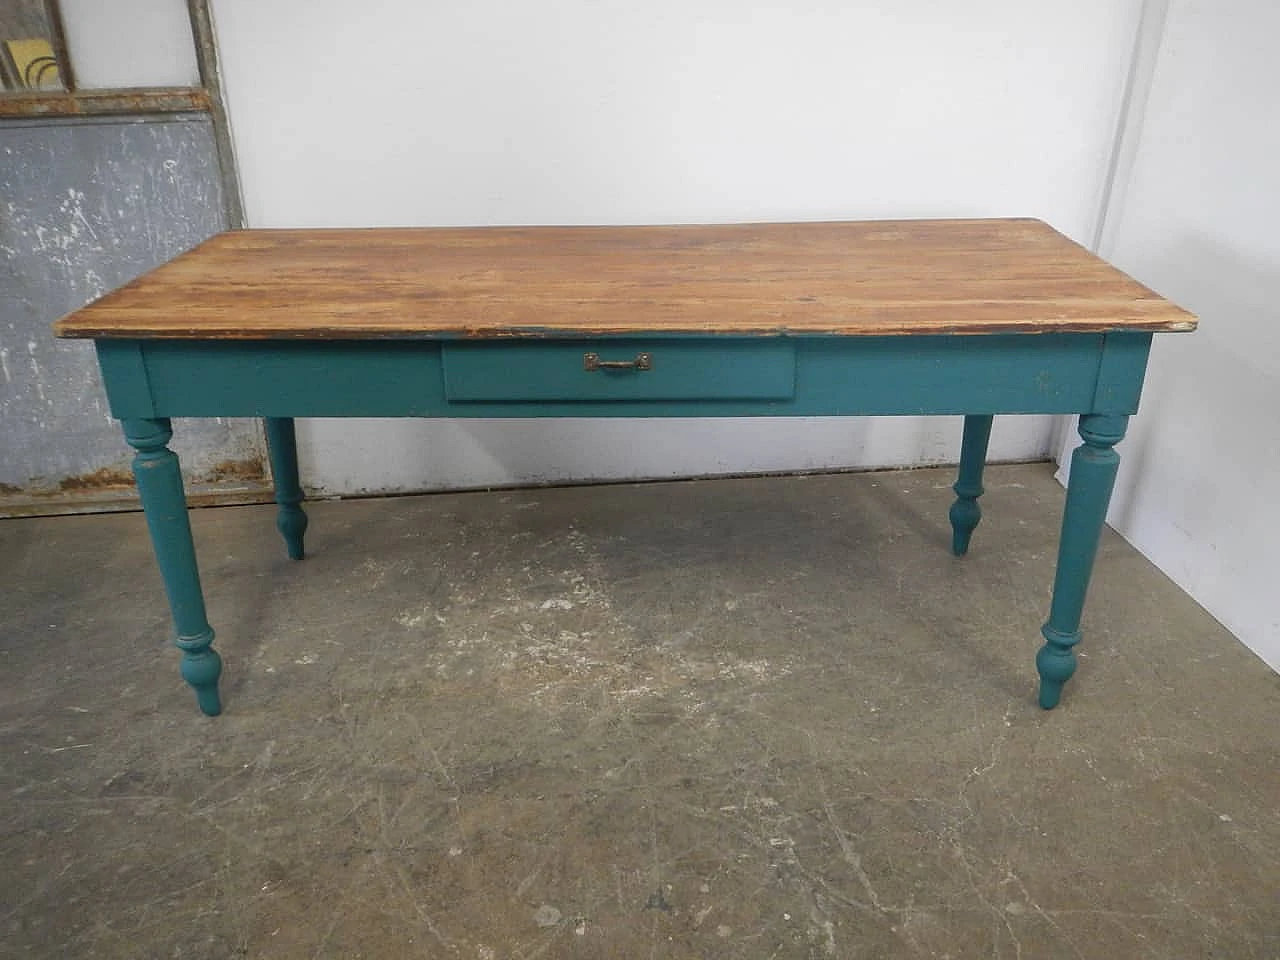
{"points": [[872, 278]]}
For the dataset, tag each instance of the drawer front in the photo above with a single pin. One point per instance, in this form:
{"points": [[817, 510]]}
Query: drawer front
{"points": [[595, 370]]}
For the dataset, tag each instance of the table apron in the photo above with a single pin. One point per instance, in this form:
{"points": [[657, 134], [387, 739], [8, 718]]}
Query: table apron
{"points": [[832, 376]]}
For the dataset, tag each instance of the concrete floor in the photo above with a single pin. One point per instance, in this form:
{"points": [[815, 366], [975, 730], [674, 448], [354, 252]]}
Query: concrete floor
{"points": [[739, 718]]}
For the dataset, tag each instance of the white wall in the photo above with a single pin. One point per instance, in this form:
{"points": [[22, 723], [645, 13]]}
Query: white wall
{"points": [[1196, 218], [610, 111]]}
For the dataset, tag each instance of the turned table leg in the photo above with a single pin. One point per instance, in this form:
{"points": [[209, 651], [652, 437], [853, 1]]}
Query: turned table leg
{"points": [[965, 512], [1093, 475], [160, 486], [282, 446]]}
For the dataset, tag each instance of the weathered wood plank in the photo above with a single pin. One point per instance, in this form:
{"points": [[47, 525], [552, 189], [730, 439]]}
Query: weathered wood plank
{"points": [[844, 279]]}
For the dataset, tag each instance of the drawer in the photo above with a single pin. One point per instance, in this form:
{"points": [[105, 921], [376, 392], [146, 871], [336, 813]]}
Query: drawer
{"points": [[621, 369]]}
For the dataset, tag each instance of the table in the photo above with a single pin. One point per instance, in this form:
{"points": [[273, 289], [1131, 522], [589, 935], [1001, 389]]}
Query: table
{"points": [[971, 317]]}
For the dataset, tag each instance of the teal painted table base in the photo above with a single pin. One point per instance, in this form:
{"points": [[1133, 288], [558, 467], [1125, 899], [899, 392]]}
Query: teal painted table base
{"points": [[1098, 376]]}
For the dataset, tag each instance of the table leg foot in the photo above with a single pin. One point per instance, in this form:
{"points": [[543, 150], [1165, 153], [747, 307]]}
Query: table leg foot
{"points": [[1093, 476], [156, 469], [966, 512], [1055, 663], [282, 447], [201, 667]]}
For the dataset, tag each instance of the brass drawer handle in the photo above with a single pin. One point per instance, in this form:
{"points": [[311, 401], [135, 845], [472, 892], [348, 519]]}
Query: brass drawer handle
{"points": [[592, 361]]}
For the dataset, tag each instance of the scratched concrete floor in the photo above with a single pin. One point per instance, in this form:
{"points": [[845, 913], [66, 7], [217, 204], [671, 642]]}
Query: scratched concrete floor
{"points": [[740, 718]]}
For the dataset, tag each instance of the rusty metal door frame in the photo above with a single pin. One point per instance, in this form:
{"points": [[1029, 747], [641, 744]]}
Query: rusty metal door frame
{"points": [[142, 103], [211, 84]]}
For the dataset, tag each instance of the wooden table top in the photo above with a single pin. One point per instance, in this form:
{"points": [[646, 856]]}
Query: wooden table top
{"points": [[864, 278]]}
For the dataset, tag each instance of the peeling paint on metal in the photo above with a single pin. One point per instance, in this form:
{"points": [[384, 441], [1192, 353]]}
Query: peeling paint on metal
{"points": [[88, 205]]}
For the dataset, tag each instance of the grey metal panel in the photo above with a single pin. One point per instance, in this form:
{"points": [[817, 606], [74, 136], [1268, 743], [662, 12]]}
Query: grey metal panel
{"points": [[86, 206]]}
